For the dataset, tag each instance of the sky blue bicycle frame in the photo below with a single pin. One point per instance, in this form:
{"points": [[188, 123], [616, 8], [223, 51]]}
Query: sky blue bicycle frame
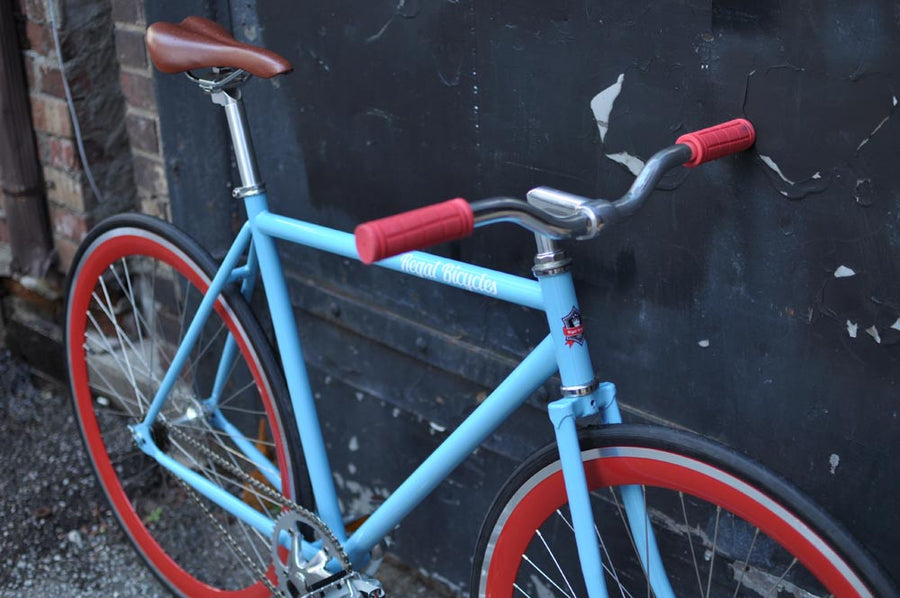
{"points": [[562, 350]]}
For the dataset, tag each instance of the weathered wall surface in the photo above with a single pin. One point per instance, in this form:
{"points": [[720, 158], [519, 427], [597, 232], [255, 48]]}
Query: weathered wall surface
{"points": [[755, 300]]}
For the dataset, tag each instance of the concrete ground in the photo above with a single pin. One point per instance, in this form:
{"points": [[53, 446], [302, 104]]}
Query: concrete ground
{"points": [[57, 536]]}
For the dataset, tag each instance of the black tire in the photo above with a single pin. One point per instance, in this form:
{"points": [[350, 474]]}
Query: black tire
{"points": [[752, 567], [128, 280]]}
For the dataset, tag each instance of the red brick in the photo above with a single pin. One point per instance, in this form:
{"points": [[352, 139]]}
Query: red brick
{"points": [[51, 115], [34, 10], [150, 176], [68, 189], [61, 153], [138, 90], [50, 81], [66, 223], [38, 37], [30, 70], [130, 48], [142, 133], [128, 11]]}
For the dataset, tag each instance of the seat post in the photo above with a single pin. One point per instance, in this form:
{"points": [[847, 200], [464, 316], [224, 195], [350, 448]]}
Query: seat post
{"points": [[240, 140]]}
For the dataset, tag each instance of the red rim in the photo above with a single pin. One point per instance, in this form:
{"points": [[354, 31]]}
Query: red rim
{"points": [[687, 475], [94, 263]]}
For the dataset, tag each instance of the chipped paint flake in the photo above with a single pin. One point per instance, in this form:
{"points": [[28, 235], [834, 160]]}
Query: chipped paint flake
{"points": [[873, 332], [351, 468], [602, 105], [353, 446], [704, 343], [896, 325], [771, 164], [844, 272], [833, 461], [632, 163], [818, 175], [435, 427], [852, 327], [880, 124]]}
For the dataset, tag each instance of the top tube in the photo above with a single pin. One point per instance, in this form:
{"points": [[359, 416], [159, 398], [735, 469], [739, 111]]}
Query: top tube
{"points": [[475, 279]]}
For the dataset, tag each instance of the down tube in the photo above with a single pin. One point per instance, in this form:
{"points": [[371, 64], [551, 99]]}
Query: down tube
{"points": [[506, 398]]}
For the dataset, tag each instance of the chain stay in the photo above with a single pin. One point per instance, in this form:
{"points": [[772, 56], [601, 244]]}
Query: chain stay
{"points": [[305, 515]]}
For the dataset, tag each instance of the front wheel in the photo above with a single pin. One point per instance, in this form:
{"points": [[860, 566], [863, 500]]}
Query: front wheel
{"points": [[724, 525]]}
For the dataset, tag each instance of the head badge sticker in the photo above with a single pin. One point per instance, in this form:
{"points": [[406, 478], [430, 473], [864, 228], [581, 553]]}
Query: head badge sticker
{"points": [[572, 327]]}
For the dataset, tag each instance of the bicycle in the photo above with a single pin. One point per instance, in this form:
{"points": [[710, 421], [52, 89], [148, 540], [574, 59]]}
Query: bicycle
{"points": [[188, 418]]}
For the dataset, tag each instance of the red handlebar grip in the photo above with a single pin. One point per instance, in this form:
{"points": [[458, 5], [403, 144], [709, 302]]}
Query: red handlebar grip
{"points": [[416, 229], [718, 141]]}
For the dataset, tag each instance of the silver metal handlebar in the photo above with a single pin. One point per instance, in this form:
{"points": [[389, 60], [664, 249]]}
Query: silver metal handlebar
{"points": [[561, 215]]}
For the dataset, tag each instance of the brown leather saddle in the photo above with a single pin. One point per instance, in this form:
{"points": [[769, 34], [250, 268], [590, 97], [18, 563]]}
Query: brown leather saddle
{"points": [[198, 43]]}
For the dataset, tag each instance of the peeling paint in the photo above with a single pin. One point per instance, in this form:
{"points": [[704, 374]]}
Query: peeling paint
{"points": [[844, 272], [879, 125], [873, 332], [435, 427], [251, 32], [602, 105], [896, 325], [771, 164], [632, 163], [351, 468], [833, 461], [354, 444], [704, 343], [359, 396], [852, 327], [377, 35], [795, 189]]}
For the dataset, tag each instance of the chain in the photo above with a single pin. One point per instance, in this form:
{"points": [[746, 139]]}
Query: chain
{"points": [[308, 516], [234, 545]]}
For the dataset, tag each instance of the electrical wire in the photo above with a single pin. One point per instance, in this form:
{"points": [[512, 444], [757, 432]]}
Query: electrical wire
{"points": [[71, 104]]}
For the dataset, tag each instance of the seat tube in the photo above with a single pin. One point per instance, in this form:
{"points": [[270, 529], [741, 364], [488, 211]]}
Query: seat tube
{"points": [[252, 191]]}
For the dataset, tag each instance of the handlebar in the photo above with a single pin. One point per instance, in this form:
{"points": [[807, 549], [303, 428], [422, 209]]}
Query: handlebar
{"points": [[555, 214]]}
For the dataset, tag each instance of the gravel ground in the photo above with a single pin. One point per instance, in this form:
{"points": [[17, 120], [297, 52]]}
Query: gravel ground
{"points": [[57, 536]]}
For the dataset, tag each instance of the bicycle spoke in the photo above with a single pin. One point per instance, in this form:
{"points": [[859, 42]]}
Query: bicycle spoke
{"points": [[687, 527], [526, 594], [746, 566], [555, 562], [781, 579], [624, 520], [611, 569], [712, 559], [534, 565], [112, 353], [234, 395]]}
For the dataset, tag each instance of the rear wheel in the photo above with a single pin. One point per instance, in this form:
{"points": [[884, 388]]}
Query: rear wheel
{"points": [[132, 291], [724, 525]]}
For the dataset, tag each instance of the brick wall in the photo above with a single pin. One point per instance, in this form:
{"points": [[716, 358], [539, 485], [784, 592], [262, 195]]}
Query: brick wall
{"points": [[141, 117], [109, 74]]}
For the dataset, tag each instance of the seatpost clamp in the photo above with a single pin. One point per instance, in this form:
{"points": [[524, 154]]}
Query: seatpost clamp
{"points": [[242, 192]]}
